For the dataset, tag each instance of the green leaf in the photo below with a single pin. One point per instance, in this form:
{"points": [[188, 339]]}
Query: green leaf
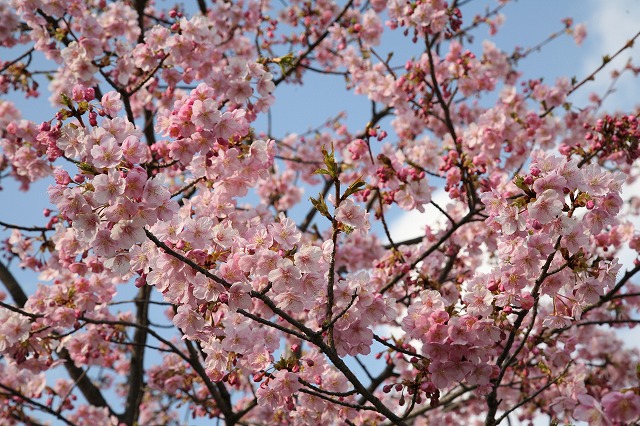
{"points": [[330, 162], [83, 107], [322, 172], [66, 100], [519, 182], [320, 205], [353, 188], [285, 62], [88, 168]]}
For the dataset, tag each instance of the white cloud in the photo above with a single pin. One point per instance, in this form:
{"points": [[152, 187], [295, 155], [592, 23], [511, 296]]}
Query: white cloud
{"points": [[610, 25], [412, 224]]}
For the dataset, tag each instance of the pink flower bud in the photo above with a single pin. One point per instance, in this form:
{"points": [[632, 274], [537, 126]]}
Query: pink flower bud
{"points": [[526, 301], [89, 94]]}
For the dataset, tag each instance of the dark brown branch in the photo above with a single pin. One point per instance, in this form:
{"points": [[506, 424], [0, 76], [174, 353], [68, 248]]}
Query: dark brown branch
{"points": [[326, 392], [12, 285], [136, 369], [535, 394], [492, 399], [394, 347], [384, 222], [15, 61], [140, 5], [337, 401], [24, 228], [606, 61], [188, 186], [434, 247], [610, 295], [19, 311], [202, 6], [317, 340], [91, 393], [186, 260], [272, 324], [377, 381], [213, 391], [312, 46], [35, 404], [312, 212]]}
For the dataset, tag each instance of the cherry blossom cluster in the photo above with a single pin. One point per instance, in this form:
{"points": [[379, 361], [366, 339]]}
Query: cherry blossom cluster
{"points": [[185, 263]]}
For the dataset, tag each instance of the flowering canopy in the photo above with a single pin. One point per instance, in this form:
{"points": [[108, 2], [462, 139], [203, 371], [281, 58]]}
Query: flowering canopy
{"points": [[164, 182]]}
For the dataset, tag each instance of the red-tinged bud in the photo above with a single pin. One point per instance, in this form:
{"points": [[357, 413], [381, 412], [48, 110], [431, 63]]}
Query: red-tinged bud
{"points": [[233, 379], [140, 281], [526, 301], [89, 94], [78, 268]]}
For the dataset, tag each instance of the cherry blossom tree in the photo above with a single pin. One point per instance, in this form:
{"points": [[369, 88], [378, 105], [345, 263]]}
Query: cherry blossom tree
{"points": [[183, 267]]}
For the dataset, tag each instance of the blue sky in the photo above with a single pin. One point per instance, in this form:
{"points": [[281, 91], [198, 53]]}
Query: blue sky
{"points": [[299, 108]]}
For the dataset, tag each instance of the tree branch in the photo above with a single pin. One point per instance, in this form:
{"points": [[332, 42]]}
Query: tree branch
{"points": [[136, 369]]}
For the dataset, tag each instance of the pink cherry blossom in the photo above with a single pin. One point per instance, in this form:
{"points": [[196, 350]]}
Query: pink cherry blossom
{"points": [[590, 410], [217, 243], [546, 207], [622, 407], [111, 103], [353, 215]]}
